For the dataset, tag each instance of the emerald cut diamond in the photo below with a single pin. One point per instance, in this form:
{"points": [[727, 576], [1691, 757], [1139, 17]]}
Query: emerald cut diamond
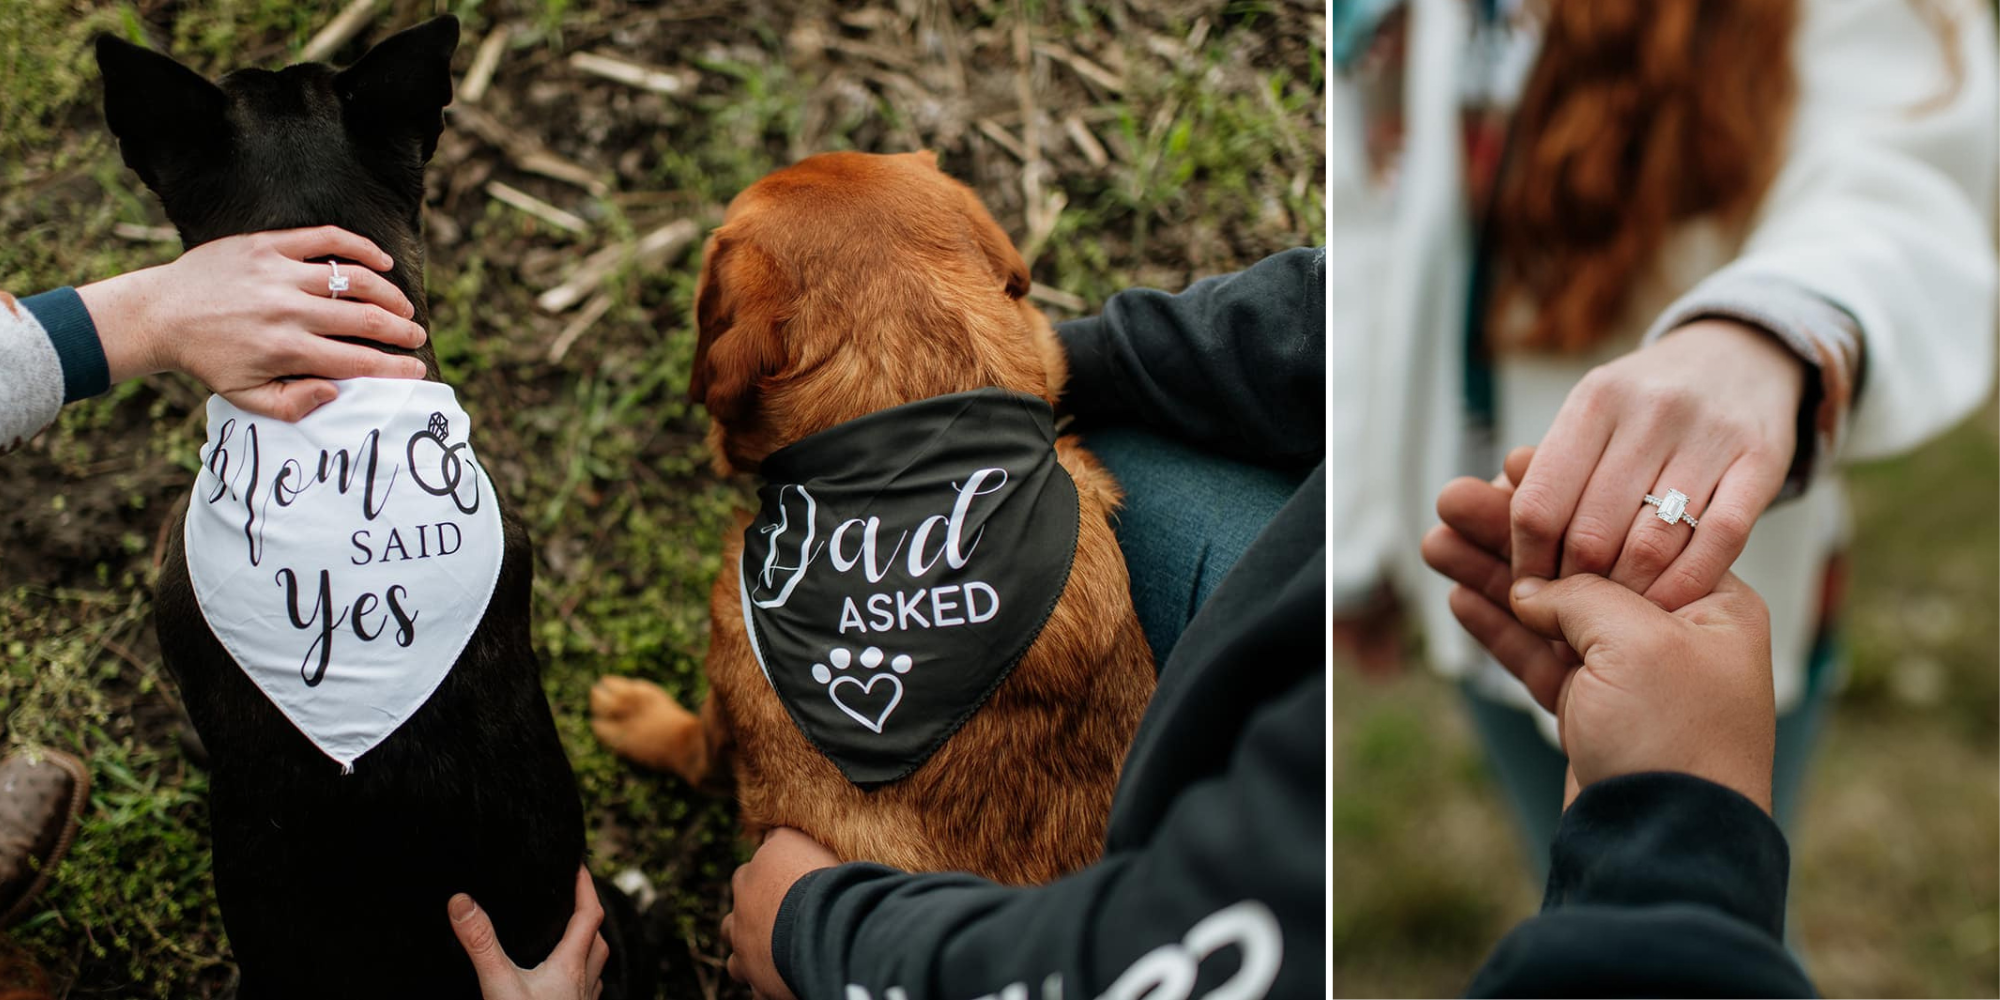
{"points": [[1673, 506]]}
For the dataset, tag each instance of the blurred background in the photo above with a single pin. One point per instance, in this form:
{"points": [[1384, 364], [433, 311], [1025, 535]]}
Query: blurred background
{"points": [[591, 145]]}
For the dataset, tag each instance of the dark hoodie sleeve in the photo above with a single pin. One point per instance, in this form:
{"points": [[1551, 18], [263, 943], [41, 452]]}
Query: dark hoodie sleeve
{"points": [[1236, 364], [1228, 889], [1659, 885]]}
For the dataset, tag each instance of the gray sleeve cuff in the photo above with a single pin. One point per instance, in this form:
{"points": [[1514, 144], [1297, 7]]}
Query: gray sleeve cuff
{"points": [[1823, 335], [31, 388]]}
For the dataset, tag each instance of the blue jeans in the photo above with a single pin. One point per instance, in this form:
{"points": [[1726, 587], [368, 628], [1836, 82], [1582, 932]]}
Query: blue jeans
{"points": [[1187, 517]]}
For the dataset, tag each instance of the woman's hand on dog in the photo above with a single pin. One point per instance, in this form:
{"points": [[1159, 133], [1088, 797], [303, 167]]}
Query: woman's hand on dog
{"points": [[1710, 409], [759, 889], [572, 972], [243, 312]]}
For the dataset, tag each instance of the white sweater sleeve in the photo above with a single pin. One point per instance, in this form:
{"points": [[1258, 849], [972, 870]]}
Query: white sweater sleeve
{"points": [[1883, 205], [31, 375]]}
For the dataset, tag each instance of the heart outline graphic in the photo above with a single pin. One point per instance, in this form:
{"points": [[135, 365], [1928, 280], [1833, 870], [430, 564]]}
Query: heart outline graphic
{"points": [[874, 725]]}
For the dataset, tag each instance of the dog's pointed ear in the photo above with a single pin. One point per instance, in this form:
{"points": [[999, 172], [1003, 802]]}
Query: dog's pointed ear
{"points": [[400, 87], [162, 112], [741, 306]]}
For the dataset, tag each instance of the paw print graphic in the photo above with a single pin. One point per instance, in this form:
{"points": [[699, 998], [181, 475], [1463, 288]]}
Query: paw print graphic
{"points": [[871, 658], [855, 692]]}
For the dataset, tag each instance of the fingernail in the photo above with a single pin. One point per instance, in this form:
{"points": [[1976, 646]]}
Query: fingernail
{"points": [[1527, 587], [461, 908]]}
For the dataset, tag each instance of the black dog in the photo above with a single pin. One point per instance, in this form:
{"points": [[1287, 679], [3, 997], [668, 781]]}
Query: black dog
{"points": [[335, 885]]}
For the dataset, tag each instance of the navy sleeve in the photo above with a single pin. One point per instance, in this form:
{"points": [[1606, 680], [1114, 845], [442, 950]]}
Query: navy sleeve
{"points": [[1659, 885], [1228, 890], [74, 335], [1236, 364]]}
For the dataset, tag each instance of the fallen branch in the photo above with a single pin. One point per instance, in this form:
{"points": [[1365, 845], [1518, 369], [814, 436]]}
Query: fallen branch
{"points": [[1058, 298], [593, 311], [1086, 141], [339, 31], [1084, 67], [536, 207], [524, 151], [650, 251], [146, 234], [484, 63], [658, 81], [992, 130]]}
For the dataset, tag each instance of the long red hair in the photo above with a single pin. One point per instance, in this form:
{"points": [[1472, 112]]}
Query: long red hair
{"points": [[1640, 114]]}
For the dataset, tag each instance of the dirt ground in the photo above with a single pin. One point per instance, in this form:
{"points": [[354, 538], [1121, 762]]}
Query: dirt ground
{"points": [[1120, 143]]}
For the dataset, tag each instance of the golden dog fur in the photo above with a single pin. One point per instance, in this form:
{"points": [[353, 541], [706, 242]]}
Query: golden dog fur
{"points": [[845, 284]]}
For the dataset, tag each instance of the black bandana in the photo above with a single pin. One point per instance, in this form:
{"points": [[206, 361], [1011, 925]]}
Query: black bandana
{"points": [[899, 567]]}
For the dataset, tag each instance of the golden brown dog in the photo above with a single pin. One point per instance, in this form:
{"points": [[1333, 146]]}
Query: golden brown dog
{"points": [[843, 285]]}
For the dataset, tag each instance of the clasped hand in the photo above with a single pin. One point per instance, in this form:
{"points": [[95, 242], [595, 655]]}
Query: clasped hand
{"points": [[1633, 687]]}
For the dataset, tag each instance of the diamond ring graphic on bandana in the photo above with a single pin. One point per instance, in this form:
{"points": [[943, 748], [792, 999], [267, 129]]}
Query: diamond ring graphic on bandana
{"points": [[862, 702]]}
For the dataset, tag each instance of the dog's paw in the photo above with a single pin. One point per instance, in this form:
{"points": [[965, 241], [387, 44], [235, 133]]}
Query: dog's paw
{"points": [[641, 722]]}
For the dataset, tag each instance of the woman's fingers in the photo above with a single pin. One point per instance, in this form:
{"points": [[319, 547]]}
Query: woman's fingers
{"points": [[287, 401], [600, 953], [1652, 545], [1548, 494], [1597, 531], [1525, 654], [329, 241], [363, 285], [1747, 487], [339, 318], [332, 359], [481, 944], [578, 937]]}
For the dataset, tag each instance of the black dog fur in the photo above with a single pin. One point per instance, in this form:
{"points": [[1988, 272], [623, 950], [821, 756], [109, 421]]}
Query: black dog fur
{"points": [[332, 885]]}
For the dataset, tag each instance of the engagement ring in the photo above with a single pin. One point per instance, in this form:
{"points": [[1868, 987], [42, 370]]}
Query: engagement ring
{"points": [[1673, 508], [338, 282]]}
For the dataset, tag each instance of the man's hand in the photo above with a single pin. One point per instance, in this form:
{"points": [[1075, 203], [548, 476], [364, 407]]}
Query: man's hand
{"points": [[1688, 691], [572, 972], [759, 889]]}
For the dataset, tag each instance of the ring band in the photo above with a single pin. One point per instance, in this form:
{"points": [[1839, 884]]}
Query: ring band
{"points": [[1673, 507], [338, 282]]}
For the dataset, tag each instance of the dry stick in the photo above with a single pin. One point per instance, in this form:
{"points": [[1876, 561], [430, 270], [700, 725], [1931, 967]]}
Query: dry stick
{"points": [[1041, 210], [1058, 298], [1084, 67], [484, 62], [338, 31], [592, 311], [526, 152], [146, 234], [992, 130], [651, 250], [536, 207], [658, 81], [1086, 141]]}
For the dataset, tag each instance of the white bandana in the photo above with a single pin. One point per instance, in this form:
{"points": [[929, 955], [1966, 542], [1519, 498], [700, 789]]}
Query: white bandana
{"points": [[345, 560]]}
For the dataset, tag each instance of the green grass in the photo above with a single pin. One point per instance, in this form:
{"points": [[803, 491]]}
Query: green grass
{"points": [[601, 453]]}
